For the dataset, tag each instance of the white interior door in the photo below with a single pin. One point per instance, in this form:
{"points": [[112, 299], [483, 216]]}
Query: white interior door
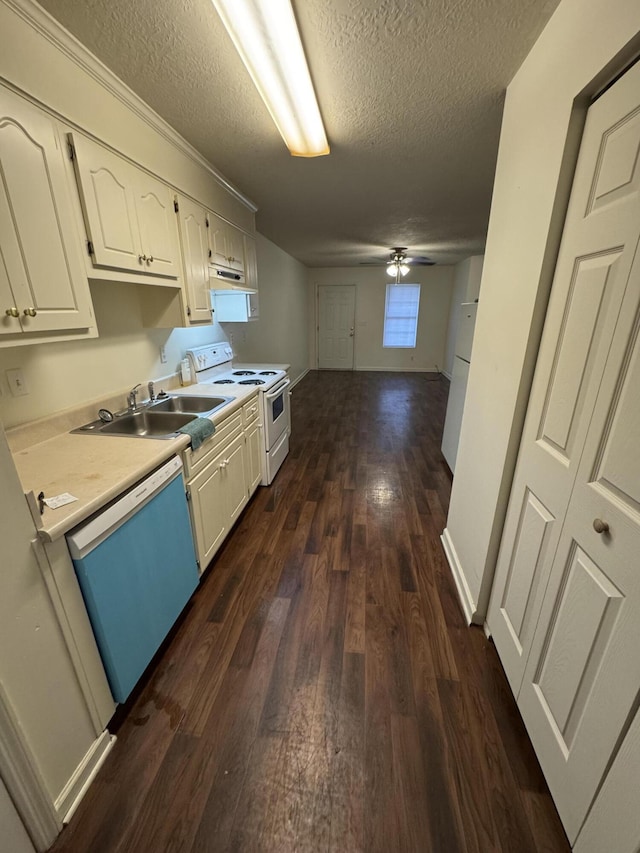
{"points": [[583, 672], [336, 319], [565, 597]]}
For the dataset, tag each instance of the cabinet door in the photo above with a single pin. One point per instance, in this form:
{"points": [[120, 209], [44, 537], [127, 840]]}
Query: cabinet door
{"points": [[209, 509], [251, 275], [106, 184], [226, 244], [253, 449], [235, 479], [235, 249], [195, 251], [157, 225], [217, 240], [42, 277]]}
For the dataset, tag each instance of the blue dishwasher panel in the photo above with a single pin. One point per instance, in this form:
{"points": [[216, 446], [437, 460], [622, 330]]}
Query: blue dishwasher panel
{"points": [[136, 583]]}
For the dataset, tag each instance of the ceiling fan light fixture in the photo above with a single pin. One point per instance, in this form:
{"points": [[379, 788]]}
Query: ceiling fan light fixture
{"points": [[403, 269], [392, 268], [266, 36]]}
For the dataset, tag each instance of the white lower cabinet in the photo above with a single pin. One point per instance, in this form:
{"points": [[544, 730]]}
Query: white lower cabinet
{"points": [[217, 496], [253, 443], [221, 477]]}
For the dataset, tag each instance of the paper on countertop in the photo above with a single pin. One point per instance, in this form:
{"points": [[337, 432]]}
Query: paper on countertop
{"points": [[59, 500]]}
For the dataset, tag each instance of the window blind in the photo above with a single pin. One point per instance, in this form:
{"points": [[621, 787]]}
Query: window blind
{"points": [[401, 315]]}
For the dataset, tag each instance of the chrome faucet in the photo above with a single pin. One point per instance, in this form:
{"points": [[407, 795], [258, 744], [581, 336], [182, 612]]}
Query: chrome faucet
{"points": [[132, 398]]}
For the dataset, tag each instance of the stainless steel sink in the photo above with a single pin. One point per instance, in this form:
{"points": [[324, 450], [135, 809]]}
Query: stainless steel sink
{"points": [[147, 423], [190, 403], [158, 420], [143, 424]]}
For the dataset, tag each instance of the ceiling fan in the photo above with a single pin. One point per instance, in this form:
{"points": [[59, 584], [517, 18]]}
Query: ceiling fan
{"points": [[398, 262]]}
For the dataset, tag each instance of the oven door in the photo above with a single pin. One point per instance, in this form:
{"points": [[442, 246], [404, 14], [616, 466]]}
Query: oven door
{"points": [[277, 416]]}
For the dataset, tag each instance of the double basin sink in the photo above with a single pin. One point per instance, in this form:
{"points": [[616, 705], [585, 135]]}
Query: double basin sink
{"points": [[160, 419]]}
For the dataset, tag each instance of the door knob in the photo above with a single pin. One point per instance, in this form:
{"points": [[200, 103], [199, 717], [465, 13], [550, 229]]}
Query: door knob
{"points": [[600, 526], [12, 312], [30, 312]]}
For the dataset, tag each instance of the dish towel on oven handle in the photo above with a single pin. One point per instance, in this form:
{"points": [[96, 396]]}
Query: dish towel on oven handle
{"points": [[198, 429]]}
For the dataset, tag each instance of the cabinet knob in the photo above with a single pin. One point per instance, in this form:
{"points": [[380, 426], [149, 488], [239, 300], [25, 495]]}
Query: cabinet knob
{"points": [[12, 312], [30, 312], [142, 258], [600, 526], [150, 259]]}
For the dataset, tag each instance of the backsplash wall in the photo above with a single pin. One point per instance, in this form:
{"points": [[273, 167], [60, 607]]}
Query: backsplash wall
{"points": [[62, 375]]}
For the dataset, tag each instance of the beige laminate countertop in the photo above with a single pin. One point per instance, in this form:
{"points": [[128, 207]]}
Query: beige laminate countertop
{"points": [[97, 468]]}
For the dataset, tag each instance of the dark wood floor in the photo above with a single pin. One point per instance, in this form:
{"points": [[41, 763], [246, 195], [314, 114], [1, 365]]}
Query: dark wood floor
{"points": [[322, 691]]}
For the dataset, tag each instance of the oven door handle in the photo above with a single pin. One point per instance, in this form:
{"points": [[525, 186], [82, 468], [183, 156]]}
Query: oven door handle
{"points": [[277, 391]]}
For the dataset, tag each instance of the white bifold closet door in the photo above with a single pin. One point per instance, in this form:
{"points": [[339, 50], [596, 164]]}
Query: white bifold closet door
{"points": [[565, 606]]}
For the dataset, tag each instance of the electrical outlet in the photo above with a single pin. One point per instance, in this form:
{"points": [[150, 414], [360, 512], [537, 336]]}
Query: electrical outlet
{"points": [[163, 355], [17, 385]]}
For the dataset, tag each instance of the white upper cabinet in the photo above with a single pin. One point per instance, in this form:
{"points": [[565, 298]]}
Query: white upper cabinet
{"points": [[226, 244], [43, 283], [192, 221], [129, 215], [251, 275]]}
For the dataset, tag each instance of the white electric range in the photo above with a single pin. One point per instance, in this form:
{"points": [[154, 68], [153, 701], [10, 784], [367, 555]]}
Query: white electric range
{"points": [[213, 365]]}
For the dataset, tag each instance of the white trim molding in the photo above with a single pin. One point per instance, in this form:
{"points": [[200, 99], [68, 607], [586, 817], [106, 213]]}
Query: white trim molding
{"points": [[48, 27], [299, 379], [469, 607], [75, 789], [24, 782]]}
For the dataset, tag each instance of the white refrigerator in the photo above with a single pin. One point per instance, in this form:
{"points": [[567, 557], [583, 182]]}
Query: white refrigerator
{"points": [[458, 389]]}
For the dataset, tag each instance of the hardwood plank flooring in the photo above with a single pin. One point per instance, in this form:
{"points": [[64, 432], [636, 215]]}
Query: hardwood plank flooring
{"points": [[321, 691]]}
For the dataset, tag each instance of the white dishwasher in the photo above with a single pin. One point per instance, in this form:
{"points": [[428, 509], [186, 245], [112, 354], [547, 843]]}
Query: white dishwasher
{"points": [[136, 566]]}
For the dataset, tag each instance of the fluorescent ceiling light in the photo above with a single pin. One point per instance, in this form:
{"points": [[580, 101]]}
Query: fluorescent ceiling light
{"points": [[266, 37]]}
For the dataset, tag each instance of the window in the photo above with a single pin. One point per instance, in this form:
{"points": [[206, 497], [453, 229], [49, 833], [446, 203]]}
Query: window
{"points": [[401, 315]]}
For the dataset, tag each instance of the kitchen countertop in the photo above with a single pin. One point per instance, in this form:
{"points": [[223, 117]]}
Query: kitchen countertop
{"points": [[97, 468]]}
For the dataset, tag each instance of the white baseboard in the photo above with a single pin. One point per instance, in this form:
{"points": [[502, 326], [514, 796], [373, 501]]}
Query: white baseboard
{"points": [[464, 593], [294, 382], [399, 369], [447, 374], [75, 789]]}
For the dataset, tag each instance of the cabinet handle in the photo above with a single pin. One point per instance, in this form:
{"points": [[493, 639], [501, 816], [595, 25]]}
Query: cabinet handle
{"points": [[12, 312], [142, 258], [224, 463], [150, 259], [600, 526], [30, 312]]}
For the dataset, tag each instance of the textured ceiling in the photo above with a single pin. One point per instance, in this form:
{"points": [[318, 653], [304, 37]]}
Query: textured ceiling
{"points": [[411, 94]]}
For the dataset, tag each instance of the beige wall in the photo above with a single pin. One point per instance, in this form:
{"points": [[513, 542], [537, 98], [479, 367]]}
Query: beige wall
{"points": [[536, 155], [466, 288], [371, 284], [281, 333], [63, 375]]}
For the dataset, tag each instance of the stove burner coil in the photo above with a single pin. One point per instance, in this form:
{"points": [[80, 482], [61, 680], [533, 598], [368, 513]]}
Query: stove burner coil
{"points": [[251, 382], [244, 372], [224, 382]]}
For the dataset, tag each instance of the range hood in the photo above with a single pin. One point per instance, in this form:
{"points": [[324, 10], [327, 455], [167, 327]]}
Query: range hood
{"points": [[223, 279]]}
